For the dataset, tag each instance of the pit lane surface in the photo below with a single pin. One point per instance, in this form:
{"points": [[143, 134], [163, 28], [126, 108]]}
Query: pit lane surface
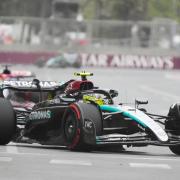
{"points": [[161, 88]]}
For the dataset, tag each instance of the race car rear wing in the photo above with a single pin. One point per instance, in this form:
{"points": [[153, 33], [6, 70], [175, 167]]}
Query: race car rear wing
{"points": [[31, 85]]}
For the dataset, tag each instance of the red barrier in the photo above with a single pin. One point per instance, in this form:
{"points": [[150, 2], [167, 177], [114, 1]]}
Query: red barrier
{"points": [[24, 57]]}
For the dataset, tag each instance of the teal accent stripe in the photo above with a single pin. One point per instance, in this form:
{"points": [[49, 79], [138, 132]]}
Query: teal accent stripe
{"points": [[134, 118], [125, 113], [109, 108]]}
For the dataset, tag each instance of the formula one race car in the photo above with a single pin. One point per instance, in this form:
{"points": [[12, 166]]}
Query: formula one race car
{"points": [[81, 116], [7, 74]]}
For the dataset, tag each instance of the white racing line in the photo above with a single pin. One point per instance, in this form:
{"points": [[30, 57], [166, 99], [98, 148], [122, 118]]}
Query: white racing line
{"points": [[148, 162], [71, 162], [132, 165], [149, 165], [145, 158], [13, 149]]}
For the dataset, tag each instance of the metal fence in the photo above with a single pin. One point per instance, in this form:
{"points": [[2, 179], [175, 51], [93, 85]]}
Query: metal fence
{"points": [[60, 33]]}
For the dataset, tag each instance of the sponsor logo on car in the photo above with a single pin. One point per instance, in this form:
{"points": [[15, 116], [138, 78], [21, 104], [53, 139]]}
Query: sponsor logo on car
{"points": [[40, 115], [88, 124], [45, 84], [55, 101]]}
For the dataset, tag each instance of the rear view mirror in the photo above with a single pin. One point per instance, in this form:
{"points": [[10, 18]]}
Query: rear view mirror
{"points": [[141, 101]]}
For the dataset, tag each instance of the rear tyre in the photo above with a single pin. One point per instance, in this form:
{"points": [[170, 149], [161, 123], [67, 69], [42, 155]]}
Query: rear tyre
{"points": [[74, 123], [7, 121]]}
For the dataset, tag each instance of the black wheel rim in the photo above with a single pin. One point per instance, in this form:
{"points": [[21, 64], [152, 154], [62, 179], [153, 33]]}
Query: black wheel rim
{"points": [[70, 127]]}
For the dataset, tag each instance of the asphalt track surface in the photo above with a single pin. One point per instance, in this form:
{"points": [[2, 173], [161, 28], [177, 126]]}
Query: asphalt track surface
{"points": [[37, 162]]}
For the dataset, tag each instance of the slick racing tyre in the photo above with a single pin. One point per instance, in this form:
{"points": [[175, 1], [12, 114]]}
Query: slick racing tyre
{"points": [[172, 125], [7, 121], [74, 132], [175, 149]]}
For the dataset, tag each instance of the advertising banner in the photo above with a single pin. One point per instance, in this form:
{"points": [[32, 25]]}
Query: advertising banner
{"points": [[99, 60]]}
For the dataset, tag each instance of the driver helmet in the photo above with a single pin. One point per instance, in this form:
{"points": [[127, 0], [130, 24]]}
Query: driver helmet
{"points": [[95, 98]]}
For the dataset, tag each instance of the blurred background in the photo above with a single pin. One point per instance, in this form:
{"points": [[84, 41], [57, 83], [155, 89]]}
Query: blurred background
{"points": [[132, 46], [96, 23], [149, 27]]}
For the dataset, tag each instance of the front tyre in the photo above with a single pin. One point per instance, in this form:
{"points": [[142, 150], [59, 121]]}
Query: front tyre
{"points": [[7, 121], [75, 134], [175, 149], [172, 125]]}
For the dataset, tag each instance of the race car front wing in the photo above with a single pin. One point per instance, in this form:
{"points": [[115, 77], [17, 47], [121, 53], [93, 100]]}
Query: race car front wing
{"points": [[135, 140]]}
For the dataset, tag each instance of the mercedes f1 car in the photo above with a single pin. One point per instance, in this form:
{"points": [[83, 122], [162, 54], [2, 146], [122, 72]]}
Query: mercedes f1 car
{"points": [[81, 116]]}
